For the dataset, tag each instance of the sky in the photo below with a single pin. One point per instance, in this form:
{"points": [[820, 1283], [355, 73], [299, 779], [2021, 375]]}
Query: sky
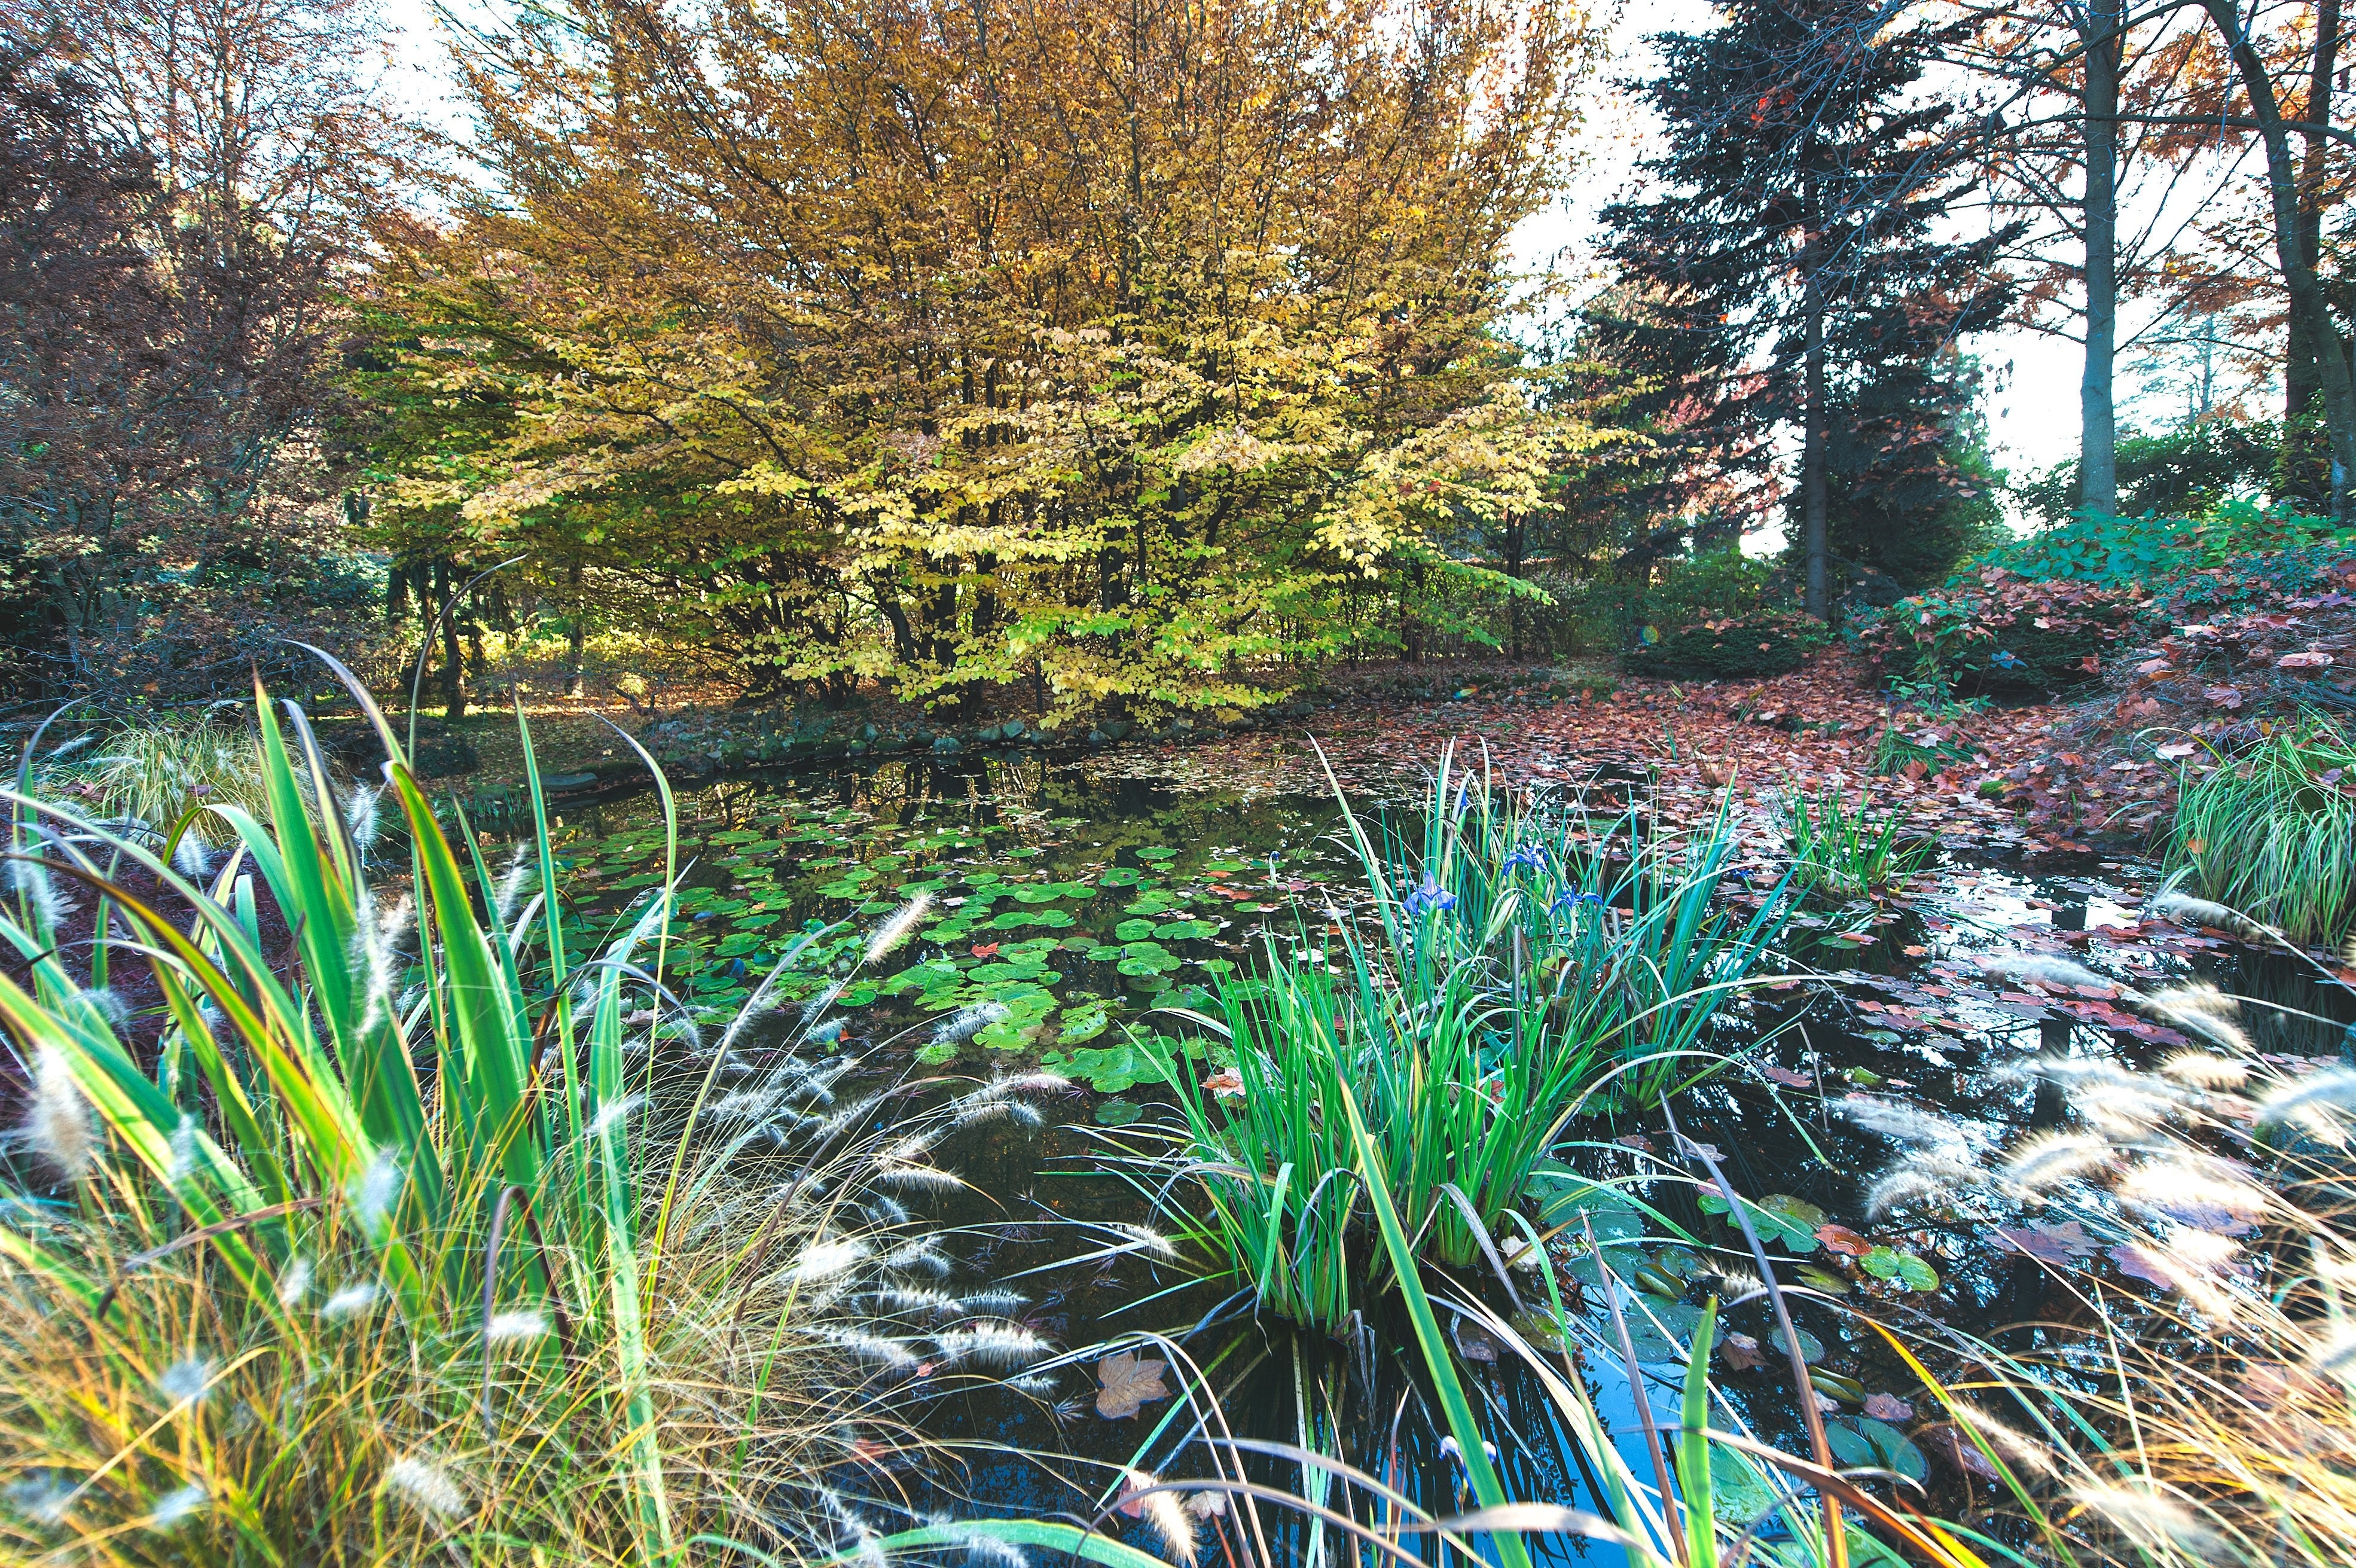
{"points": [[2032, 412]]}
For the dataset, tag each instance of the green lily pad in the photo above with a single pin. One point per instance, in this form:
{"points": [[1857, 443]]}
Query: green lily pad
{"points": [[1778, 1216], [1859, 1441], [1904, 1268], [1134, 931], [1184, 931], [1812, 1350], [1117, 1113], [1083, 1023], [1157, 851]]}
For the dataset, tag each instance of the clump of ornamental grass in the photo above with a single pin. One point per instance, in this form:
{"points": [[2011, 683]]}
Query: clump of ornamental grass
{"points": [[505, 1264], [163, 772], [1840, 852], [2199, 1224], [1526, 961], [2272, 833]]}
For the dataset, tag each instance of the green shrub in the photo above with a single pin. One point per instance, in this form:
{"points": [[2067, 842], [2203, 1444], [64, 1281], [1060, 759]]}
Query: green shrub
{"points": [[2001, 634], [2272, 834], [2130, 552], [1757, 643]]}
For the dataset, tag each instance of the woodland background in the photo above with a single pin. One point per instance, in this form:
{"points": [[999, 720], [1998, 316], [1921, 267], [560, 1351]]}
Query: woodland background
{"points": [[1115, 358]]}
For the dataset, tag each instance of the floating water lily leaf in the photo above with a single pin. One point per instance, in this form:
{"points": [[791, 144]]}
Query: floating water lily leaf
{"points": [[1134, 931], [1108, 1070], [938, 1052], [1186, 930], [1812, 1350], [1904, 1268], [1120, 876], [1741, 1493], [1778, 1216], [1860, 1441], [1824, 1279], [1157, 851], [1083, 1023], [1117, 1113]]}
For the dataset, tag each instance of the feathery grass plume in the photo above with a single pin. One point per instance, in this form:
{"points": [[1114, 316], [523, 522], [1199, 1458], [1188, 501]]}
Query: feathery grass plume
{"points": [[844, 1119], [894, 931], [912, 1148], [2335, 1356], [2317, 1104], [744, 1105], [2187, 911], [2200, 1008], [922, 1255], [376, 956], [994, 1302], [1902, 1123], [1166, 1512], [426, 1486], [1144, 1239], [1023, 1113], [376, 1189], [2120, 1103], [611, 1115], [919, 1178], [913, 1298], [2046, 968], [988, 1551], [515, 1327], [60, 1128], [2182, 1190], [295, 1284], [2050, 1159], [178, 1505], [1001, 1345], [2012, 1446], [362, 818], [2154, 1522], [522, 865], [191, 857], [352, 1300], [184, 1152], [1907, 1182], [31, 879], [827, 1260], [878, 1348], [2204, 1069], [886, 1212], [184, 1380], [1035, 1082], [967, 1022]]}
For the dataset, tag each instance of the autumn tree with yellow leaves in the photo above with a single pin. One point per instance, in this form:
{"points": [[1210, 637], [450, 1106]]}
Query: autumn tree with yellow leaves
{"points": [[1112, 353]]}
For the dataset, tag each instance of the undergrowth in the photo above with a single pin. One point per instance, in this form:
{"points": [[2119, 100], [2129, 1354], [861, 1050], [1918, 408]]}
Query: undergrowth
{"points": [[2273, 832], [445, 1233]]}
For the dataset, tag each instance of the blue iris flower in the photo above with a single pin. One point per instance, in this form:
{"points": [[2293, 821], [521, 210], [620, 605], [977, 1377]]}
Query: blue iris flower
{"points": [[1430, 899], [1527, 856], [2004, 659], [1569, 900]]}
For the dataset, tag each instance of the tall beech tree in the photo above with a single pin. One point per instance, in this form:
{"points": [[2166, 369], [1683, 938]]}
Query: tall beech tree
{"points": [[1791, 268], [1091, 352]]}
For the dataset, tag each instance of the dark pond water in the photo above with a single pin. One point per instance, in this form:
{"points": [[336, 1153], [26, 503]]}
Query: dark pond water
{"points": [[1077, 906]]}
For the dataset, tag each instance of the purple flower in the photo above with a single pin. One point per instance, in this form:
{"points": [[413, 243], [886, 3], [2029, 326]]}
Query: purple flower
{"points": [[1527, 856], [1430, 899], [1568, 901]]}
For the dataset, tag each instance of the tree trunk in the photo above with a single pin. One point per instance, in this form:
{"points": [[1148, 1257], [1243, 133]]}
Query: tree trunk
{"points": [[577, 635], [1514, 570], [2298, 263], [453, 679], [2098, 468], [1814, 504], [2305, 465]]}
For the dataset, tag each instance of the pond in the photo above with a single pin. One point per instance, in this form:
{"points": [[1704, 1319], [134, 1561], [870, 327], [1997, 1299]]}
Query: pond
{"points": [[1076, 909]]}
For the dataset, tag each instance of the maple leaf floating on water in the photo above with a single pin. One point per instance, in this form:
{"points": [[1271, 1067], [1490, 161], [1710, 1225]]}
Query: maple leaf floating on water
{"points": [[1787, 1078], [1842, 1240], [1224, 1082], [1888, 1407], [1129, 1383], [2060, 1245], [1741, 1352]]}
